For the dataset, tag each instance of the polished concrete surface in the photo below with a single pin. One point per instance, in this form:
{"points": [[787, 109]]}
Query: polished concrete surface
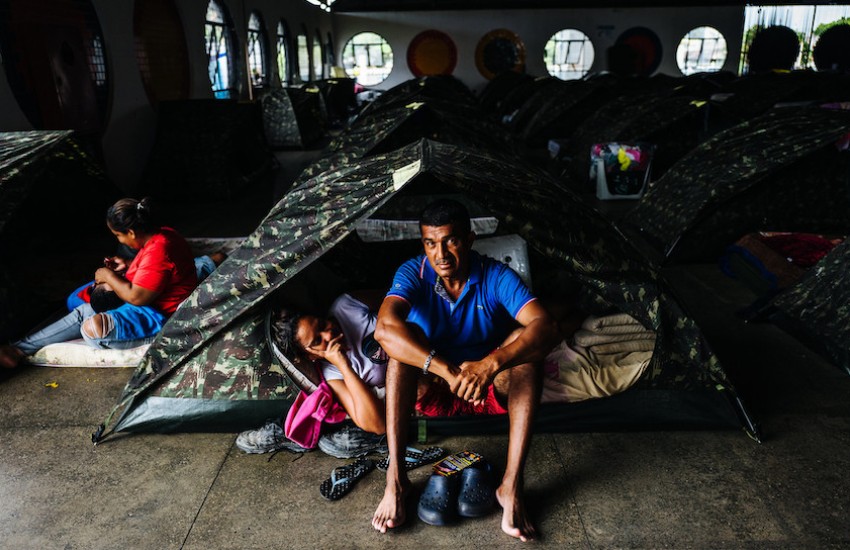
{"points": [[649, 489], [605, 490]]}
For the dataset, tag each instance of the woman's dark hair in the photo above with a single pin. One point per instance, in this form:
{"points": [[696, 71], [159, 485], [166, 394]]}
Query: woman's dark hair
{"points": [[127, 214], [284, 326], [445, 212]]}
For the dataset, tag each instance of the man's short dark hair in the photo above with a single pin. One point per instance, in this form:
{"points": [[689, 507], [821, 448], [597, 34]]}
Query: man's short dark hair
{"points": [[445, 212]]}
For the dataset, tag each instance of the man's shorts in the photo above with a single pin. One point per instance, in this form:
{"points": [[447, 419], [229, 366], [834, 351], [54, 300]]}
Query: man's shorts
{"points": [[135, 322], [438, 400]]}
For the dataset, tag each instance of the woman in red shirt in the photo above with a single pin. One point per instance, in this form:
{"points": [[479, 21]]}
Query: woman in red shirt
{"points": [[154, 283]]}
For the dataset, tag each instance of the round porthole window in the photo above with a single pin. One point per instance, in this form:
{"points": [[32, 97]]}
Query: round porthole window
{"points": [[568, 54], [368, 58], [701, 50], [498, 51]]}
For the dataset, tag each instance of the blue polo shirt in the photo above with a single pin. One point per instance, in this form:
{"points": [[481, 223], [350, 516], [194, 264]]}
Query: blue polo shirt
{"points": [[478, 322]]}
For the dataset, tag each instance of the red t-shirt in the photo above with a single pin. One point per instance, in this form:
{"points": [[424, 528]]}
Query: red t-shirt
{"points": [[165, 265]]}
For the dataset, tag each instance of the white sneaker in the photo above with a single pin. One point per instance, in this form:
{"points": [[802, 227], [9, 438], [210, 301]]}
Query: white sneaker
{"points": [[266, 439]]}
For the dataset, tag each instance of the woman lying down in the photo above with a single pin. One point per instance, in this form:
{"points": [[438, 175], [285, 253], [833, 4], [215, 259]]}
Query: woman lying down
{"points": [[607, 355]]}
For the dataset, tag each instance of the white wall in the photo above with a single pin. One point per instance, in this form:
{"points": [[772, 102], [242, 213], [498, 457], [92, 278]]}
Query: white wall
{"points": [[130, 129], [131, 125], [535, 27]]}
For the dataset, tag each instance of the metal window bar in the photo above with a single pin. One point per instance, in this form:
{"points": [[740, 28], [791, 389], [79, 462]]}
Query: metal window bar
{"points": [[216, 48], [97, 61], [569, 52], [256, 59]]}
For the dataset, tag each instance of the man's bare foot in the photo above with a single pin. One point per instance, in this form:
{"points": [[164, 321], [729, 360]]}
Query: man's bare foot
{"points": [[515, 521], [390, 512], [10, 357]]}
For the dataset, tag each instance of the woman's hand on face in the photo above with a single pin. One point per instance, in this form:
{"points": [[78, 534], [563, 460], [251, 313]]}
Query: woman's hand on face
{"points": [[335, 350]]}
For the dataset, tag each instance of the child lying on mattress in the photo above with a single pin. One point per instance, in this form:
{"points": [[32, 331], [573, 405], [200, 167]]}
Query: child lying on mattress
{"points": [[139, 295]]}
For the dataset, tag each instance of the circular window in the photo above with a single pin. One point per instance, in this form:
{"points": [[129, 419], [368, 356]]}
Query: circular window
{"points": [[368, 58], [568, 54], [431, 53], [645, 48], [702, 50], [498, 51]]}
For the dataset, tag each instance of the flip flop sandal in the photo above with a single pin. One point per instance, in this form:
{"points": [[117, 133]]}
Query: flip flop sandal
{"points": [[343, 478], [438, 503], [477, 494], [414, 458]]}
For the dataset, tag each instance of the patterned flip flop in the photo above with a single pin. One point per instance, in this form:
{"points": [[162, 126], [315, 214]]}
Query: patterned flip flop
{"points": [[343, 478], [414, 458]]}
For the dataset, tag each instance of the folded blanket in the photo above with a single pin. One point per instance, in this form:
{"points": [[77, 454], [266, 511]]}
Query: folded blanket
{"points": [[615, 348], [618, 323], [586, 338], [574, 373]]}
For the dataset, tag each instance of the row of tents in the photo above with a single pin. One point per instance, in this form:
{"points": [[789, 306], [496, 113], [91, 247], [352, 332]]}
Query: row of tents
{"points": [[212, 367], [734, 155]]}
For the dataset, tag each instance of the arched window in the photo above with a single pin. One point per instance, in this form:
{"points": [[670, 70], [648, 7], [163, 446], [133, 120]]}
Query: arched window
{"points": [[257, 50], [303, 49], [63, 83], [283, 52], [318, 57], [161, 50], [568, 54], [368, 58], [703, 49], [221, 51], [330, 51]]}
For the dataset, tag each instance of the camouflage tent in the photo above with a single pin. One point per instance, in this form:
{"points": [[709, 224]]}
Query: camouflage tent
{"points": [[440, 87], [210, 367], [817, 309], [498, 88], [207, 149], [780, 171], [293, 117], [47, 181]]}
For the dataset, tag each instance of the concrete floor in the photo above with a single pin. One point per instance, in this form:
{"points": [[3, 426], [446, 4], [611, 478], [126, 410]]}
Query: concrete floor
{"points": [[586, 490], [635, 490]]}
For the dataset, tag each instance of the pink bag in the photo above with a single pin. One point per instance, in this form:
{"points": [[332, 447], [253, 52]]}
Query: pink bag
{"points": [[304, 420]]}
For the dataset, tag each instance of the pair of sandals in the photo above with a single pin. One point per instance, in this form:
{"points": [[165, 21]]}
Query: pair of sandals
{"points": [[343, 478], [469, 494]]}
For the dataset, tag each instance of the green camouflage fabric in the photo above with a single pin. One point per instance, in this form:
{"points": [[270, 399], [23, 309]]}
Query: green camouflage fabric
{"points": [[818, 307], [218, 328], [206, 150], [47, 180], [779, 171], [516, 97], [279, 122], [440, 87], [498, 88], [394, 127]]}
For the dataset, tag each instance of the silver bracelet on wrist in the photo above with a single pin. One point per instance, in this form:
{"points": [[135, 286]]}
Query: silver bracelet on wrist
{"points": [[428, 359]]}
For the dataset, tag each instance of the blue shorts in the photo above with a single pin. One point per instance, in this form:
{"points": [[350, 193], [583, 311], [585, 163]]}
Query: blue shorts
{"points": [[135, 322]]}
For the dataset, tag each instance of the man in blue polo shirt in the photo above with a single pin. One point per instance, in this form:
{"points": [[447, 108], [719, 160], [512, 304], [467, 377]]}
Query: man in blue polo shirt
{"points": [[469, 320]]}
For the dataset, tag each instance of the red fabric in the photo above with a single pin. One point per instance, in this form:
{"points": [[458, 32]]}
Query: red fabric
{"points": [[166, 265], [801, 249], [440, 401]]}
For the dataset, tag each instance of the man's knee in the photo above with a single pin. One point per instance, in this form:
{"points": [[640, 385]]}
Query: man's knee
{"points": [[526, 375], [98, 326]]}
